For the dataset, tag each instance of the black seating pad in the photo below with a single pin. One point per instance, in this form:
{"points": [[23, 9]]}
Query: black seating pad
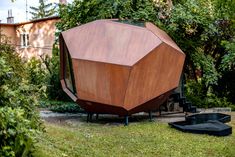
{"points": [[209, 126]]}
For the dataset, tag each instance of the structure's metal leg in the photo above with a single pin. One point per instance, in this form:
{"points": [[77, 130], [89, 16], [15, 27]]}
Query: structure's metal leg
{"points": [[87, 117], [150, 116], [97, 116], [90, 117], [126, 120]]}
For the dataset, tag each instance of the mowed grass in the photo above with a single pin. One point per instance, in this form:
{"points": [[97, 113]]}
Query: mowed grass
{"points": [[138, 139]]}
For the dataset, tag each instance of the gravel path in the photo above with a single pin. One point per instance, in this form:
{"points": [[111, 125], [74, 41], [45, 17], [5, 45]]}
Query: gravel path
{"points": [[80, 118]]}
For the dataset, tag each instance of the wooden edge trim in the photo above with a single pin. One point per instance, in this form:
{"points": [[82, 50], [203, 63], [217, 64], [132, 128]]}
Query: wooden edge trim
{"points": [[62, 65], [67, 91]]}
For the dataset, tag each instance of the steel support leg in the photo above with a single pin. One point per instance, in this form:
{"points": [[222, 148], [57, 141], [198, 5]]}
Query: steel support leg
{"points": [[150, 116], [87, 117], [90, 117], [126, 120]]}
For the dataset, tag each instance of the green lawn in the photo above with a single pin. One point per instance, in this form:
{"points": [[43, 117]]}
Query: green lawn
{"points": [[138, 139]]}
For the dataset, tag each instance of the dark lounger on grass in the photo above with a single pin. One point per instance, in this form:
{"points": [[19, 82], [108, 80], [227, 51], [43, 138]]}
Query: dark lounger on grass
{"points": [[207, 123]]}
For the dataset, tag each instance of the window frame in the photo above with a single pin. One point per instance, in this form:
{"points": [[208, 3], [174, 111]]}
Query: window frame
{"points": [[68, 61], [63, 50], [24, 40]]}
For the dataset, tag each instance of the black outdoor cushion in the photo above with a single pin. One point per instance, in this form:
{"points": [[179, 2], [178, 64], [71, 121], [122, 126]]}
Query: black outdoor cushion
{"points": [[211, 124]]}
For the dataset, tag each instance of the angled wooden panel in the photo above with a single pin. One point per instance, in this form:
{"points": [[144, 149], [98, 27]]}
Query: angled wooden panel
{"points": [[155, 74], [101, 82], [162, 35], [110, 42]]}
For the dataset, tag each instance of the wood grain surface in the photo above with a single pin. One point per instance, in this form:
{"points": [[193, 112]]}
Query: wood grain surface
{"points": [[154, 75], [110, 42], [101, 82]]}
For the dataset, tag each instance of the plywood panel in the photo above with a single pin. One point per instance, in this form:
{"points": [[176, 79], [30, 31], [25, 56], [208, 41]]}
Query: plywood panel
{"points": [[101, 82], [110, 42], [162, 35], [154, 75]]}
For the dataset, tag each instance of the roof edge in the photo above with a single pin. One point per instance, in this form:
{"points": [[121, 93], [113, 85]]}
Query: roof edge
{"points": [[31, 21], [160, 34]]}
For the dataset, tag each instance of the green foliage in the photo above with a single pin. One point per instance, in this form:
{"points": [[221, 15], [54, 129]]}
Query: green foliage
{"points": [[206, 35], [54, 90], [43, 10], [16, 93], [14, 85], [196, 95], [225, 8], [210, 74], [17, 133], [232, 107], [228, 60], [87, 11], [38, 75], [62, 107], [192, 26], [44, 74]]}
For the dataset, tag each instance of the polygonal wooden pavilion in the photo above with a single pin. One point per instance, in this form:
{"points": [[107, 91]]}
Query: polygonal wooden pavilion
{"points": [[119, 67]]}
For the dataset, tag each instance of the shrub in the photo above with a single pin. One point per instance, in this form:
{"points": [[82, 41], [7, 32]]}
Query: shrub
{"points": [[232, 107], [61, 106], [194, 93], [18, 101], [44, 74], [65, 107], [54, 90], [17, 133], [37, 72]]}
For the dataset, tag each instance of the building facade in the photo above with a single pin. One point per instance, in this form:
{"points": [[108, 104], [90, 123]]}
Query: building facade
{"points": [[33, 38]]}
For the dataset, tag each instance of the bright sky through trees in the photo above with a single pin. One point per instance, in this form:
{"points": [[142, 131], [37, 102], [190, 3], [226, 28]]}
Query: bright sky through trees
{"points": [[18, 9]]}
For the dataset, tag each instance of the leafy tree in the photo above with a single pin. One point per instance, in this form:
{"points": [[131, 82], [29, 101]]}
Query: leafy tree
{"points": [[43, 10], [226, 58], [205, 31], [87, 11]]}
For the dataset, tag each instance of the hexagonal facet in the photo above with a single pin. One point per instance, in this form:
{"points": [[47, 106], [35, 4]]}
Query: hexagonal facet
{"points": [[109, 66]]}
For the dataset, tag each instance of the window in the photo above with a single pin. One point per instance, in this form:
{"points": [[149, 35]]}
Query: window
{"points": [[24, 40], [69, 77]]}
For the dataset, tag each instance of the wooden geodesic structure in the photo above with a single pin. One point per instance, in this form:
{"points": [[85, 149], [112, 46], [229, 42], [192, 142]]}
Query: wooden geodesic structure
{"points": [[119, 67]]}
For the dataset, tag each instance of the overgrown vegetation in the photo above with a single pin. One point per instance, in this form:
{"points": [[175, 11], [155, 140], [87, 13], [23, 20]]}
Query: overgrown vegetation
{"points": [[19, 120]]}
